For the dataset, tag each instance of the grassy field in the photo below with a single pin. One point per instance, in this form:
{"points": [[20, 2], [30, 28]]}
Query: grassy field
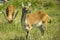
{"points": [[15, 31]]}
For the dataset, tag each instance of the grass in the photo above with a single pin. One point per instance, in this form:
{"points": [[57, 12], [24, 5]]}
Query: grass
{"points": [[15, 31]]}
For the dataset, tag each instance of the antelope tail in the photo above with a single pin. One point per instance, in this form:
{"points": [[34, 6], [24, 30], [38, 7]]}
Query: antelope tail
{"points": [[49, 19]]}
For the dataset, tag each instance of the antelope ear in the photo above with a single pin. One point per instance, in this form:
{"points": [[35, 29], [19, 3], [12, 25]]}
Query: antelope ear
{"points": [[22, 5], [29, 4]]}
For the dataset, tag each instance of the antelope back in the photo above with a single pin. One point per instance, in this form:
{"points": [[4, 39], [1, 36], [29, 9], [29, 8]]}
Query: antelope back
{"points": [[36, 17]]}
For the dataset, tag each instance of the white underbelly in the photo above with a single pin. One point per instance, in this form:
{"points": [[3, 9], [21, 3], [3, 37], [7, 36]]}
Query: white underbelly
{"points": [[39, 24]]}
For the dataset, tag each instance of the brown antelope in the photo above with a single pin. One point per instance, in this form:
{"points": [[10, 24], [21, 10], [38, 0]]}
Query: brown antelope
{"points": [[10, 13], [37, 18]]}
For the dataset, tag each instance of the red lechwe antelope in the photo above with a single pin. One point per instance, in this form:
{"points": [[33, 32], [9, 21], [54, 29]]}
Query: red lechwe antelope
{"points": [[10, 13], [37, 18]]}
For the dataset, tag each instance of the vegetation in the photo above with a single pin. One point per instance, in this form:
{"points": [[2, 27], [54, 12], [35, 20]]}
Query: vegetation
{"points": [[15, 31]]}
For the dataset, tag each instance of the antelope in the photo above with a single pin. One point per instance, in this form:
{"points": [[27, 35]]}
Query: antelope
{"points": [[10, 10], [30, 20]]}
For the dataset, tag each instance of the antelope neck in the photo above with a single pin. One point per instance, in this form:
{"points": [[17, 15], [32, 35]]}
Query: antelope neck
{"points": [[23, 17]]}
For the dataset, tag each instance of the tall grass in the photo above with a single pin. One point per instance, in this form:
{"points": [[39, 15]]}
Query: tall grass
{"points": [[15, 31]]}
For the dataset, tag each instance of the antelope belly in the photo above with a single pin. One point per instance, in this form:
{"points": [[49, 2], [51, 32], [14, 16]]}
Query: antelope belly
{"points": [[39, 24]]}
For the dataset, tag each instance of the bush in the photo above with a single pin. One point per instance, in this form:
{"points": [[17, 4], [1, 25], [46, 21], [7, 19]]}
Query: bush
{"points": [[36, 4], [49, 4]]}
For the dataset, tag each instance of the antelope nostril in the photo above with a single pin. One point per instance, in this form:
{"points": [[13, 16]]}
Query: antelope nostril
{"points": [[10, 21]]}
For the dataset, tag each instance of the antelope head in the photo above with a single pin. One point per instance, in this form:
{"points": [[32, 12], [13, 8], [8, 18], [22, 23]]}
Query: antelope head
{"points": [[25, 9], [10, 13]]}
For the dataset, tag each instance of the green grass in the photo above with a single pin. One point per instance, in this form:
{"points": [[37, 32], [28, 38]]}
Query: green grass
{"points": [[15, 31]]}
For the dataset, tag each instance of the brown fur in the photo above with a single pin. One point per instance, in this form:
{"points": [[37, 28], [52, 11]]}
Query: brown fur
{"points": [[36, 17], [10, 11]]}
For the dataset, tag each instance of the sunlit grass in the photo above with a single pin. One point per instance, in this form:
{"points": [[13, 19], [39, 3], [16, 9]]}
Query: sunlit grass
{"points": [[15, 31]]}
